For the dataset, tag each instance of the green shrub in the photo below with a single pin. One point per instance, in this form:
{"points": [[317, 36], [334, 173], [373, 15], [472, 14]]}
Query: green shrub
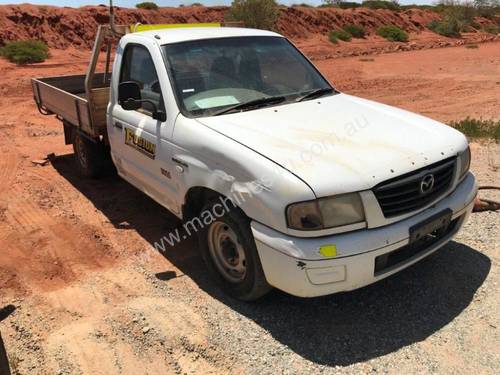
{"points": [[478, 128], [259, 14], [348, 5], [492, 29], [416, 6], [456, 17], [25, 51], [380, 4], [335, 35], [392, 33], [147, 5], [339, 4], [449, 27], [332, 38], [471, 46], [433, 25], [355, 30], [487, 8], [475, 25]]}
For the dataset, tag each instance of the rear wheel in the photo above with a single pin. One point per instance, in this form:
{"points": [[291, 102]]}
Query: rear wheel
{"points": [[229, 251], [89, 156]]}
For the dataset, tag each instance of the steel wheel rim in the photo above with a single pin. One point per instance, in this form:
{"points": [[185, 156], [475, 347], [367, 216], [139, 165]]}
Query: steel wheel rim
{"points": [[82, 157], [227, 252]]}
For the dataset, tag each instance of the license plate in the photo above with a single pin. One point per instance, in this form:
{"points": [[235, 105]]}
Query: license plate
{"points": [[433, 223]]}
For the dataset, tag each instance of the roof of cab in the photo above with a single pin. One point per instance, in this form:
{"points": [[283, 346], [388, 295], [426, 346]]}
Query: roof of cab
{"points": [[184, 34]]}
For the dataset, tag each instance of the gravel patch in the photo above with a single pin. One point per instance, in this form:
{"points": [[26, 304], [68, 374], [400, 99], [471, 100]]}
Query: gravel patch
{"points": [[440, 315]]}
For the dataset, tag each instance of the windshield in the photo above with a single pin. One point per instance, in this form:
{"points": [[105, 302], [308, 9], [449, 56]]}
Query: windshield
{"points": [[214, 74]]}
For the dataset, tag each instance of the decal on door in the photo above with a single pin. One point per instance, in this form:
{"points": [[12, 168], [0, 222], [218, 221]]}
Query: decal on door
{"points": [[140, 144]]}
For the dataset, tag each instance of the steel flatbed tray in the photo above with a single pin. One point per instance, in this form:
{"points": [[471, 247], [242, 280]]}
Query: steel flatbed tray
{"points": [[66, 97]]}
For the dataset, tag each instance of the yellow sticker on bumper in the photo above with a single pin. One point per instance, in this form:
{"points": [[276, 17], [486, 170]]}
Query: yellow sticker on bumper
{"points": [[328, 250]]}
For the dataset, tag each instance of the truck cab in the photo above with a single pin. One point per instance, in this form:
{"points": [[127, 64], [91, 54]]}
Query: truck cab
{"points": [[286, 181]]}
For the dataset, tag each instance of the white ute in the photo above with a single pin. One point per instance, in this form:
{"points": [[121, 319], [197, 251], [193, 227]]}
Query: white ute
{"points": [[332, 192]]}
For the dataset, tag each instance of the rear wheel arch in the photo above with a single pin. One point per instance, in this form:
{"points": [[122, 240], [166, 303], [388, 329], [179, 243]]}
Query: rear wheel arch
{"points": [[89, 155], [69, 132]]}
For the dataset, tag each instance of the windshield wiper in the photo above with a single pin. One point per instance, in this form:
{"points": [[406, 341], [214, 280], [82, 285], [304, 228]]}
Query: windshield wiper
{"points": [[315, 94], [256, 103]]}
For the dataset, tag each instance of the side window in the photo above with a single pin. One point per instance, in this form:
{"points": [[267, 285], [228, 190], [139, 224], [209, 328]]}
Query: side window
{"points": [[138, 66]]}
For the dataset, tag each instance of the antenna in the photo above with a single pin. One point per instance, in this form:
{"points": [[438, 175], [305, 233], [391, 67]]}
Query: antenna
{"points": [[112, 17]]}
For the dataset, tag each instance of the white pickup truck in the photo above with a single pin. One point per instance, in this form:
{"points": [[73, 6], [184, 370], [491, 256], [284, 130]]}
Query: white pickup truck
{"points": [[287, 182]]}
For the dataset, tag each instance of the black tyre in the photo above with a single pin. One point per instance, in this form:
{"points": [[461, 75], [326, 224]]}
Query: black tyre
{"points": [[4, 360], [89, 156], [228, 249]]}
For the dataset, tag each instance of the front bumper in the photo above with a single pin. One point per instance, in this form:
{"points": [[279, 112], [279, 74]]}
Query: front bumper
{"points": [[296, 266]]}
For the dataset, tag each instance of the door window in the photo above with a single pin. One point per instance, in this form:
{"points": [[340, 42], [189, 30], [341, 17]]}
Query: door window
{"points": [[138, 66]]}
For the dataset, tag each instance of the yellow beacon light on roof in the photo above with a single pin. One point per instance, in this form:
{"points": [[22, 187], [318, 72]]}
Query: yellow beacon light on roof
{"points": [[140, 27]]}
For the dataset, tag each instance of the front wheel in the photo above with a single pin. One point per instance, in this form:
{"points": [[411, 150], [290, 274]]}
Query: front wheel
{"points": [[229, 251]]}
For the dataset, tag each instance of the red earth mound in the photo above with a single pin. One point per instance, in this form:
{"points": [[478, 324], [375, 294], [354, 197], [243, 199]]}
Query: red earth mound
{"points": [[298, 22], [62, 27]]}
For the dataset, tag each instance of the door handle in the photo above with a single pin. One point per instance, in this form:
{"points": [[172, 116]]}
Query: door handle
{"points": [[118, 125]]}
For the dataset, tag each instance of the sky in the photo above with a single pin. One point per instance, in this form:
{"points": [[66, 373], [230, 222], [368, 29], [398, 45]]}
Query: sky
{"points": [[131, 3]]}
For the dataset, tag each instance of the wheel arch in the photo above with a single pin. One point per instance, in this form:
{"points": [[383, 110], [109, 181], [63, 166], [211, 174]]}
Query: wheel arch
{"points": [[196, 197], [69, 132]]}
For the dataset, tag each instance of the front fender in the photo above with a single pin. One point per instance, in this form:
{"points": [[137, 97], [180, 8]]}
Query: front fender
{"points": [[260, 187]]}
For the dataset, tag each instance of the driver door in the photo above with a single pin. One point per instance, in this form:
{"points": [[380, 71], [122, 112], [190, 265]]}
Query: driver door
{"points": [[138, 134]]}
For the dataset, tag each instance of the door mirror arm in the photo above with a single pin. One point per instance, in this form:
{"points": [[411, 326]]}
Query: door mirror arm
{"points": [[160, 115], [134, 104]]}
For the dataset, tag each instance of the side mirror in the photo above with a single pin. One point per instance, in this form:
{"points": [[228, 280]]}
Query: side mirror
{"points": [[129, 95]]}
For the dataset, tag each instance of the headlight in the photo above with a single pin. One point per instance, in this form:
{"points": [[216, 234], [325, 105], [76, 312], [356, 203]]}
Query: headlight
{"points": [[327, 212], [464, 160]]}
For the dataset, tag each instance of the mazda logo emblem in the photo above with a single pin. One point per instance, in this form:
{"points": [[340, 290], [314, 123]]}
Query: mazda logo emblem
{"points": [[427, 184]]}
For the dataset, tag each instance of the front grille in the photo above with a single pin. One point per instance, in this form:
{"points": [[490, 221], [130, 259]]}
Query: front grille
{"points": [[396, 258], [401, 195]]}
